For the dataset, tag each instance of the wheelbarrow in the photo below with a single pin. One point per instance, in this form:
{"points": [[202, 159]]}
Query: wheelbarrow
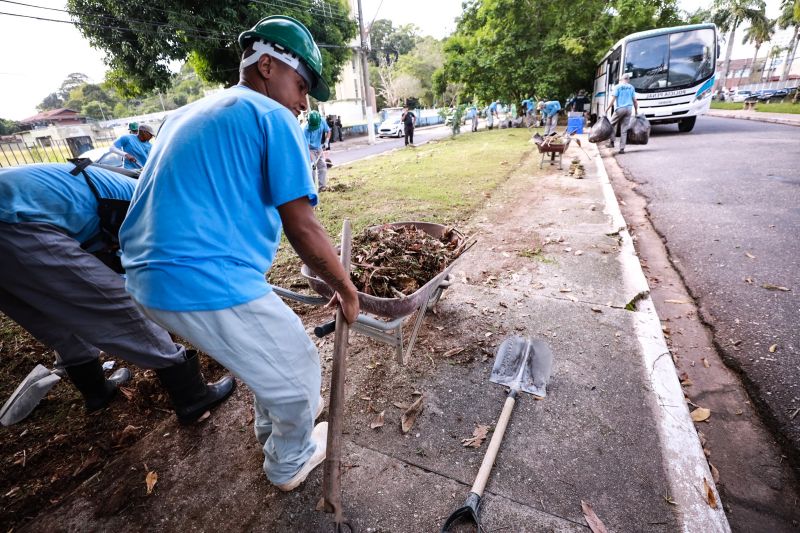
{"points": [[382, 318], [546, 146]]}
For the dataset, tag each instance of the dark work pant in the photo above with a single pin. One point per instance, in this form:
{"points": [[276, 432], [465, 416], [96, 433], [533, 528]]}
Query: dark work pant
{"points": [[409, 131], [72, 302]]}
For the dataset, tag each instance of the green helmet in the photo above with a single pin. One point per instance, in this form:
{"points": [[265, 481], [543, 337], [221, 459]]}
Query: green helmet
{"points": [[293, 36], [314, 120], [133, 126]]}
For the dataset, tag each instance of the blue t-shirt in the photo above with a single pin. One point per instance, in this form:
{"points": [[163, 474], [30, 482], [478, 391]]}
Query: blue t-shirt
{"points": [[551, 108], [48, 194], [203, 226], [131, 144], [625, 94], [314, 138], [492, 107]]}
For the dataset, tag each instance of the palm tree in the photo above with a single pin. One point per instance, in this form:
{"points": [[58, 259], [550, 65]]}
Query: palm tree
{"points": [[759, 32], [790, 16], [728, 15]]}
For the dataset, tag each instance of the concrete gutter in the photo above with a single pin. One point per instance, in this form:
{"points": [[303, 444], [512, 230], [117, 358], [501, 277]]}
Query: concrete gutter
{"points": [[773, 118], [684, 460]]}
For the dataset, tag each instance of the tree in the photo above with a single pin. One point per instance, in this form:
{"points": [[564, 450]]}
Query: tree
{"points": [[759, 32], [385, 39], [729, 15], [51, 101], [72, 82], [421, 62], [790, 17], [142, 37], [7, 127]]}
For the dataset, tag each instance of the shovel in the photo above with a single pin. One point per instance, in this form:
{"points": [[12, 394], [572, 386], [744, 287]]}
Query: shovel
{"points": [[523, 365], [27, 395], [331, 501]]}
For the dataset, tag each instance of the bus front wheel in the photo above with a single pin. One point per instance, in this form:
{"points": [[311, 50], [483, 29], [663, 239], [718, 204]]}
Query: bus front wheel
{"points": [[687, 124]]}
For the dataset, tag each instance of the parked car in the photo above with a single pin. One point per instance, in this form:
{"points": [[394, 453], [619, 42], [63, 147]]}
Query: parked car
{"points": [[740, 95], [391, 127], [103, 157]]}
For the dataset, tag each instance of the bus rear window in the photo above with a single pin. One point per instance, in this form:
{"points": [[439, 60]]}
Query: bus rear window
{"points": [[670, 61]]}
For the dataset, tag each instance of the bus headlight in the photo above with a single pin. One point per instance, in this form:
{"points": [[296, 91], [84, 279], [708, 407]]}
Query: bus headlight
{"points": [[702, 94]]}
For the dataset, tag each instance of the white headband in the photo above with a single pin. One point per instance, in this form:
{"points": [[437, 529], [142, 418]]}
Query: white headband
{"points": [[279, 53]]}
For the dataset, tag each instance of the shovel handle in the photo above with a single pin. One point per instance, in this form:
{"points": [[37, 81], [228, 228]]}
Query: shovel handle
{"points": [[494, 444]]}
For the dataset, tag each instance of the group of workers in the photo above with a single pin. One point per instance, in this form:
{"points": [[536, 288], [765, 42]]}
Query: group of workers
{"points": [[201, 231]]}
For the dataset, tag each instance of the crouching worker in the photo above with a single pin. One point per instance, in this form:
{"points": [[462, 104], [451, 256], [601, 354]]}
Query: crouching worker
{"points": [[201, 275], [72, 301]]}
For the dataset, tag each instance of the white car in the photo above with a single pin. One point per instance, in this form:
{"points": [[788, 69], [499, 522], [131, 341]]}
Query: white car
{"points": [[103, 157], [741, 96], [391, 127]]}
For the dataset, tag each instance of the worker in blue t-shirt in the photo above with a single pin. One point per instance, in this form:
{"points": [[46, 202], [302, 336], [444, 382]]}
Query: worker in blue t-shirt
{"points": [[492, 114], [229, 172], [134, 148], [549, 112], [624, 97], [71, 301], [317, 133]]}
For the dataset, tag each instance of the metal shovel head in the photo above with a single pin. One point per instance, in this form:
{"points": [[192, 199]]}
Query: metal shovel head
{"points": [[27, 395], [523, 364]]}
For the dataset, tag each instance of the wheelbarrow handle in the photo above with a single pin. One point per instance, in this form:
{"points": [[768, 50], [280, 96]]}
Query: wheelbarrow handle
{"points": [[494, 444], [325, 329]]}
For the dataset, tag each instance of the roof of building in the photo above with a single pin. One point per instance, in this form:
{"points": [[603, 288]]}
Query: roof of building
{"points": [[53, 114]]}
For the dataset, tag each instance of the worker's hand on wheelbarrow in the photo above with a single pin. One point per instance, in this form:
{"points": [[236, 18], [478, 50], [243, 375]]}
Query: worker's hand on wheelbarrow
{"points": [[347, 299]]}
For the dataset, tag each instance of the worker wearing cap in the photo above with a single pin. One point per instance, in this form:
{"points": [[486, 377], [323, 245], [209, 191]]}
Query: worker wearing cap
{"points": [[229, 171], [68, 299], [626, 108], [134, 148], [549, 112], [317, 133]]}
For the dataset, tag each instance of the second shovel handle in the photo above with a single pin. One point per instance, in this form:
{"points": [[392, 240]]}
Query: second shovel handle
{"points": [[494, 445]]}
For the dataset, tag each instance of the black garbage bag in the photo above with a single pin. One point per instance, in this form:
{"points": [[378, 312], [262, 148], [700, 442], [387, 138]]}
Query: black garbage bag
{"points": [[601, 131], [639, 132]]}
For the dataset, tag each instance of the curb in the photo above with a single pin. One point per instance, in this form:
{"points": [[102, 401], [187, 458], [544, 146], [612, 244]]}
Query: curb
{"points": [[769, 120], [684, 460]]}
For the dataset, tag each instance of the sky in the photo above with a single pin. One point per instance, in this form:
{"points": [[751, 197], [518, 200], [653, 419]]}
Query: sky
{"points": [[37, 55]]}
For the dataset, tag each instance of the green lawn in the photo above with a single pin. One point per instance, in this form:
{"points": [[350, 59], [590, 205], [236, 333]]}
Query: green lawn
{"points": [[442, 182], [786, 107]]}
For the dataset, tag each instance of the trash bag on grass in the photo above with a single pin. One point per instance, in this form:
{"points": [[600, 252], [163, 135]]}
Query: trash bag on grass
{"points": [[601, 131], [639, 132]]}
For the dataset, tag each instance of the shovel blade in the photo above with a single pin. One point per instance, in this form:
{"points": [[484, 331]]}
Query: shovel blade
{"points": [[27, 395], [523, 364]]}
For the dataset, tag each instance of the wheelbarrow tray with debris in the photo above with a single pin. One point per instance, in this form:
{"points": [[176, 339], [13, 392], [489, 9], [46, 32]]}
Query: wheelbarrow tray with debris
{"points": [[371, 321], [547, 147]]}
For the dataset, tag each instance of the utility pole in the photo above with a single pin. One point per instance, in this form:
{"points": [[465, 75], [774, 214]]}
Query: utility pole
{"points": [[366, 107]]}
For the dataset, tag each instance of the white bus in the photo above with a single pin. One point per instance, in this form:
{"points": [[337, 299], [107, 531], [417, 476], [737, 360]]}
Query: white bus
{"points": [[672, 70]]}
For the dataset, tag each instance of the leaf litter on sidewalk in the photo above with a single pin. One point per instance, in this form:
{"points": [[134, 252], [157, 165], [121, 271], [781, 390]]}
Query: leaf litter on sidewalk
{"points": [[478, 436]]}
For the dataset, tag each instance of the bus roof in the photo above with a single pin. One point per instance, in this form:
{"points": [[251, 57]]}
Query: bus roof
{"points": [[658, 31]]}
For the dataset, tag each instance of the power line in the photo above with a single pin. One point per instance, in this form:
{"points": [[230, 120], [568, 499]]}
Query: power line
{"points": [[314, 10]]}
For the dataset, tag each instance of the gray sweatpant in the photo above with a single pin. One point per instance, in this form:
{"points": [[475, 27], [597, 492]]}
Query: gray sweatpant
{"points": [[73, 303], [321, 176], [622, 116]]}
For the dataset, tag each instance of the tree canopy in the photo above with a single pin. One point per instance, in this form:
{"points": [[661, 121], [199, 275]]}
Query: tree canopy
{"points": [[506, 49], [142, 38]]}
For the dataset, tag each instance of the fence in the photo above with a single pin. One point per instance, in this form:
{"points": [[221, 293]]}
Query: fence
{"points": [[768, 85], [16, 153]]}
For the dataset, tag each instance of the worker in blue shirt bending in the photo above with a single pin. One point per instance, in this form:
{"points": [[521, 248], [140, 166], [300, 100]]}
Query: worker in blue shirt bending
{"points": [[549, 112], [53, 286], [317, 133], [627, 107], [228, 173], [134, 148]]}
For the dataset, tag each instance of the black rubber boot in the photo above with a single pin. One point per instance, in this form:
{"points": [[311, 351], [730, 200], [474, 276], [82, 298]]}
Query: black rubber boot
{"points": [[97, 391], [191, 396]]}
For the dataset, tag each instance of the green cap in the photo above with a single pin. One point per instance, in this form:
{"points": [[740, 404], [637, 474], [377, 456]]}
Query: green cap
{"points": [[294, 37]]}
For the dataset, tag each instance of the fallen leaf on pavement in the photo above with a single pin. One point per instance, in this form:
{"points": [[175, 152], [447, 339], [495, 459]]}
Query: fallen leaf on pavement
{"points": [[597, 309], [748, 254], [771, 287], [676, 301], [700, 414], [773, 348], [454, 351], [401, 405], [706, 363], [595, 524], [150, 480], [711, 498], [377, 421], [714, 472], [477, 438], [410, 416], [565, 290]]}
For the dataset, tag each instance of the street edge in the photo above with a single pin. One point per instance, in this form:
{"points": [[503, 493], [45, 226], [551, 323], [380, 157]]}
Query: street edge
{"points": [[684, 460], [767, 120]]}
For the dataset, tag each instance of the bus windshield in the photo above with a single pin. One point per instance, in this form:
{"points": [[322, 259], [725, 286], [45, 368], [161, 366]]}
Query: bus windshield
{"points": [[670, 61]]}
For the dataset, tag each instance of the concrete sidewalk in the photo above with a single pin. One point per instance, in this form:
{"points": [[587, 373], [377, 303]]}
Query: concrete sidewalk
{"points": [[788, 119], [553, 261]]}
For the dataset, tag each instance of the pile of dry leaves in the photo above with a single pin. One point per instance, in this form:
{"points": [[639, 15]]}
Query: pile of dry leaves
{"points": [[393, 262]]}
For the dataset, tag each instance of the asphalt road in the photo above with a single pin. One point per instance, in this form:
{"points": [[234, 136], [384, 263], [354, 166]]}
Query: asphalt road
{"points": [[726, 199], [350, 151]]}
